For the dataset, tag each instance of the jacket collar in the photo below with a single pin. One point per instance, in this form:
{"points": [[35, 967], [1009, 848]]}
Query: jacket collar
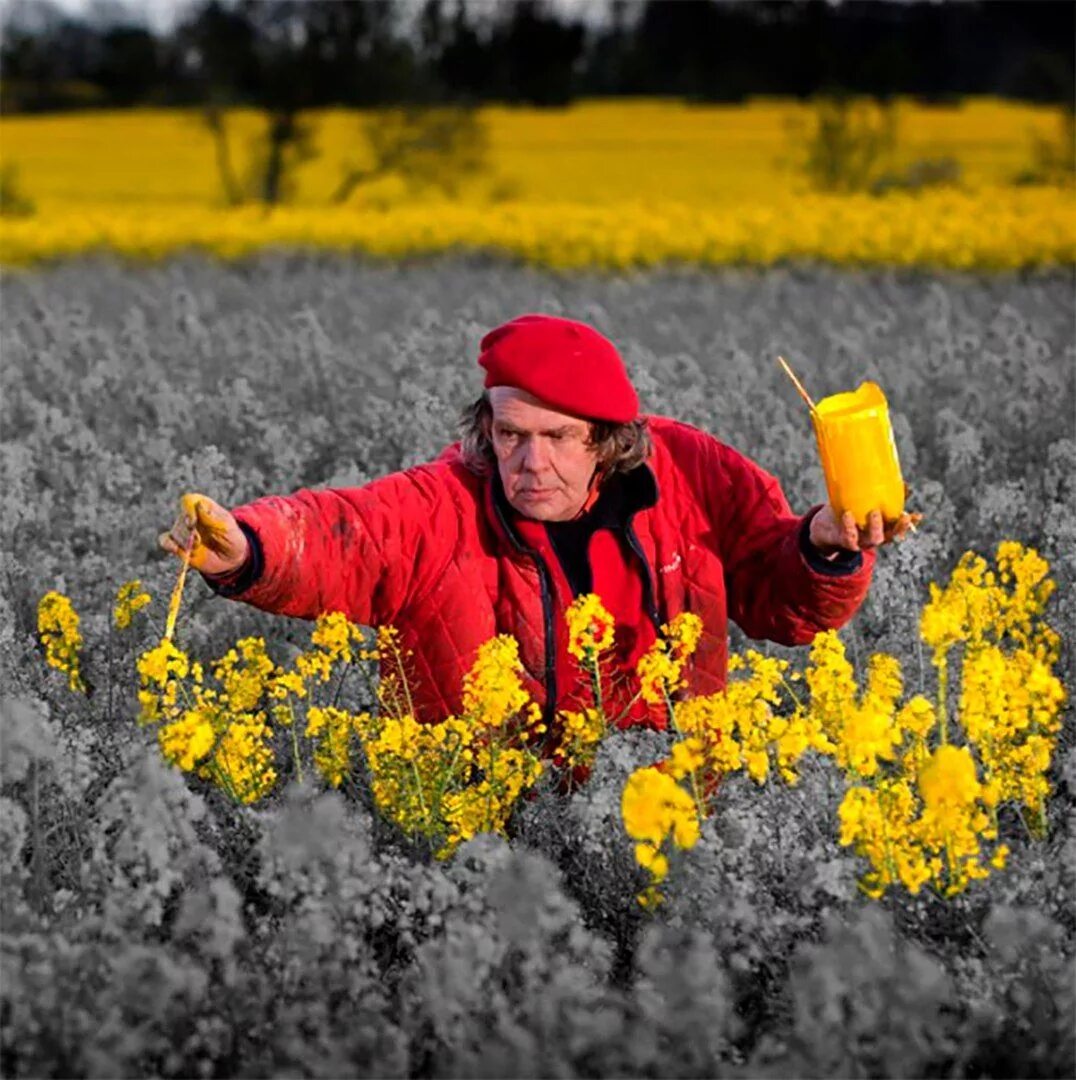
{"points": [[641, 493]]}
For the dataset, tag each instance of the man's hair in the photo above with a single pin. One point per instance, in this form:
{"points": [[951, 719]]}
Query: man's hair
{"points": [[621, 447]]}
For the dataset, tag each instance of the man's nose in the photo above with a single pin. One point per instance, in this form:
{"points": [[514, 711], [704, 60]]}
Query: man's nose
{"points": [[535, 455]]}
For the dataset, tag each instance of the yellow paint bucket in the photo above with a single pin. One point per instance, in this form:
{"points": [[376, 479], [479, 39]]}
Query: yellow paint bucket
{"points": [[859, 453]]}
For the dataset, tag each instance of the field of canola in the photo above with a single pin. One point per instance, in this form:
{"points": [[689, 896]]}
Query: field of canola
{"points": [[599, 184], [156, 924]]}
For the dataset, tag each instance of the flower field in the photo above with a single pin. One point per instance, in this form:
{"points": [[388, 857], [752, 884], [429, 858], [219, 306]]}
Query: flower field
{"points": [[870, 871], [600, 184]]}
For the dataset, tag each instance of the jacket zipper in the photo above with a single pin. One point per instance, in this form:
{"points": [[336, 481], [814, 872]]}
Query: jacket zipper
{"points": [[648, 580], [648, 583], [546, 580]]}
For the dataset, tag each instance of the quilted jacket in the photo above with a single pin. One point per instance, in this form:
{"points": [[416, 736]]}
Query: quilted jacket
{"points": [[431, 551]]}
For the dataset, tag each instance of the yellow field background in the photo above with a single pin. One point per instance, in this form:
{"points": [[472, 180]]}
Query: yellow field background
{"points": [[598, 183]]}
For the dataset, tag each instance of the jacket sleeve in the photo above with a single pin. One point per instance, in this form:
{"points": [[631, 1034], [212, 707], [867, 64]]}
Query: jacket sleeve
{"points": [[779, 587], [365, 551]]}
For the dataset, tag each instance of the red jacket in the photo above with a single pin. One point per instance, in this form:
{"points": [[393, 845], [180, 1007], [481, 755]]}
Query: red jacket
{"points": [[431, 551]]}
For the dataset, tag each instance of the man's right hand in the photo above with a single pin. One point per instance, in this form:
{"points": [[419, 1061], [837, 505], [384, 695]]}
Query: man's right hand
{"points": [[220, 546]]}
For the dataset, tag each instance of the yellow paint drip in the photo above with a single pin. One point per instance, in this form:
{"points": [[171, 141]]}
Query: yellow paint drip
{"points": [[177, 591]]}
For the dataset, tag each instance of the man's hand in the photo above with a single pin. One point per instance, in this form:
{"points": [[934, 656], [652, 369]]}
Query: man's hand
{"points": [[219, 544], [830, 535]]}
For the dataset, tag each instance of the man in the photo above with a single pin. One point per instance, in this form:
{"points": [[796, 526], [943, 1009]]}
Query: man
{"points": [[558, 487]]}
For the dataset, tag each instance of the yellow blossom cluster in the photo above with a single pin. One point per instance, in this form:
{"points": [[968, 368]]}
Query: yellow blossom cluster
{"points": [[925, 789], [331, 729], [492, 691], [130, 599], [452, 780], [223, 728], [661, 667], [925, 830], [590, 628], [922, 789], [657, 811], [1009, 698], [333, 641], [755, 724], [221, 732], [57, 628], [580, 735]]}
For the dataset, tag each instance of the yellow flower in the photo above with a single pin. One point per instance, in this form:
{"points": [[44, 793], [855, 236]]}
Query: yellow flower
{"points": [[160, 671], [285, 683], [492, 690], [917, 716], [658, 674], [162, 663], [948, 780], [650, 858], [581, 734], [243, 760], [331, 643], [334, 635], [654, 806], [683, 633], [332, 729], [686, 757], [245, 674], [590, 628], [57, 625], [188, 740], [758, 765], [831, 682], [130, 599], [660, 668]]}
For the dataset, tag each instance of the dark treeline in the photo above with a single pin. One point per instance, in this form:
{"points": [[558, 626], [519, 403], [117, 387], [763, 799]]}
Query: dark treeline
{"points": [[299, 54]]}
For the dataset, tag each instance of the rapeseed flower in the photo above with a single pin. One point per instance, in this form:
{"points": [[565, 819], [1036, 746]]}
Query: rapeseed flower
{"points": [[581, 734], [654, 806], [948, 781], [130, 599], [332, 730], [58, 629], [683, 634], [590, 628], [187, 741], [493, 693], [242, 763], [161, 671], [245, 673], [660, 669], [657, 810], [163, 663]]}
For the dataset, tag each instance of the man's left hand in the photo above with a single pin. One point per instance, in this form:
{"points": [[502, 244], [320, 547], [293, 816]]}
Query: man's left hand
{"points": [[831, 535]]}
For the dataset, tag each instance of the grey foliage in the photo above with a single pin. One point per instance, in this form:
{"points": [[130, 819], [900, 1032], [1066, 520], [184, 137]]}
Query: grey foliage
{"points": [[150, 928]]}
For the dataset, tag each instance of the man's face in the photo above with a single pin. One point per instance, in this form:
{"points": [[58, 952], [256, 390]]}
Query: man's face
{"points": [[543, 456]]}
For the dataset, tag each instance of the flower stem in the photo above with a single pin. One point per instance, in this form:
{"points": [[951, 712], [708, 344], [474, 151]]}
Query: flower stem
{"points": [[295, 747], [942, 664]]}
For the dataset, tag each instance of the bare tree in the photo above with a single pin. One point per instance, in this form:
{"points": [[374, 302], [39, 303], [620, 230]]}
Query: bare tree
{"points": [[215, 119], [426, 147]]}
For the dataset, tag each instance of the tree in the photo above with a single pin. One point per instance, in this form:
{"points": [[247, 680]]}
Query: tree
{"points": [[426, 147]]}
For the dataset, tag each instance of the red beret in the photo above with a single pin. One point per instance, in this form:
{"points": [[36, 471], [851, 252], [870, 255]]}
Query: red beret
{"points": [[567, 364]]}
